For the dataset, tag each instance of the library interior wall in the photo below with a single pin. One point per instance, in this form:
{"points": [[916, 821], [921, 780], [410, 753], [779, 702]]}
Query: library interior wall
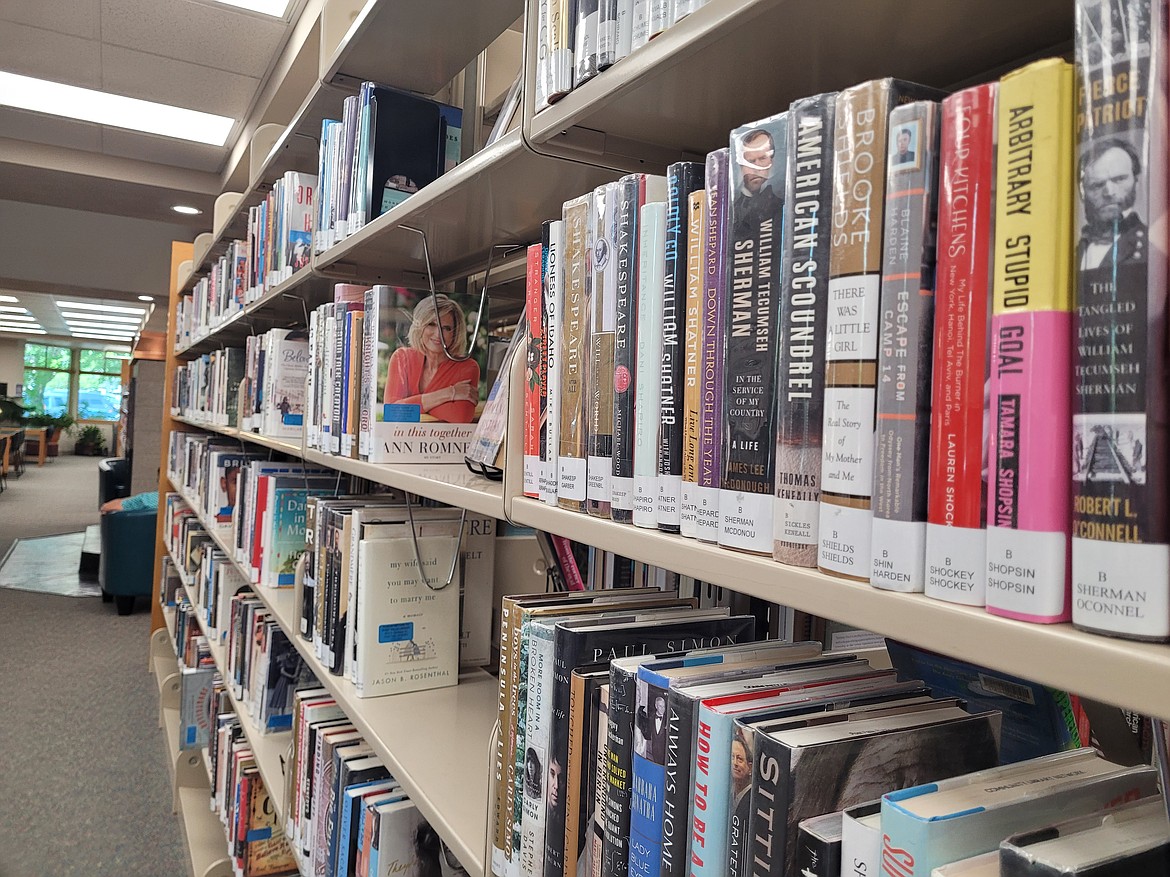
{"points": [[11, 363]]}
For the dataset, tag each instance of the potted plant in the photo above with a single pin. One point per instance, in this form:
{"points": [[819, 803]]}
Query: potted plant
{"points": [[90, 441]]}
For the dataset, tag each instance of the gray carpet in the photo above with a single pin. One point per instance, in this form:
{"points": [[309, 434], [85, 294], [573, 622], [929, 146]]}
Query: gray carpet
{"points": [[84, 788]]}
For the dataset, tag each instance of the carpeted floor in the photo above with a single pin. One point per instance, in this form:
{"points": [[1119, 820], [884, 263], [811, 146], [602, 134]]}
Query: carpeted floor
{"points": [[84, 788]]}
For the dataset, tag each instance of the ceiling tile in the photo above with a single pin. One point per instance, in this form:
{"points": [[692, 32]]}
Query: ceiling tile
{"points": [[52, 130], [31, 51], [162, 150], [179, 83], [79, 18], [213, 36]]}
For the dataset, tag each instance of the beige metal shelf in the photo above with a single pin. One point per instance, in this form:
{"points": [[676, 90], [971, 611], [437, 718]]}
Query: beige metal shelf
{"points": [[736, 60], [1129, 674], [206, 839], [418, 45], [434, 742], [500, 195]]}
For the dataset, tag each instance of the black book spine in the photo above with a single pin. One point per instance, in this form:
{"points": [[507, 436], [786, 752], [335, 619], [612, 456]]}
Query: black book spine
{"points": [[682, 178], [676, 800], [615, 855], [816, 856], [768, 823], [624, 349]]}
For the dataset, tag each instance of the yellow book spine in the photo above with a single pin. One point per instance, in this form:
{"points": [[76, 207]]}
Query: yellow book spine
{"points": [[1034, 189]]}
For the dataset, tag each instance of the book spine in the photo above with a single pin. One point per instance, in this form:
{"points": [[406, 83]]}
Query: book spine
{"points": [[606, 34], [859, 178], [755, 234], [500, 823], [620, 736], [801, 385], [518, 686], [585, 40], [553, 298], [648, 786], [743, 743], [902, 444], [560, 25], [533, 386], [624, 347], [768, 822], [861, 846], [1121, 487], [596, 841], [682, 179], [711, 791], [581, 750], [538, 716], [679, 773], [817, 856], [574, 361], [956, 508], [647, 411], [1029, 511], [601, 331], [543, 56], [696, 240], [711, 349]]}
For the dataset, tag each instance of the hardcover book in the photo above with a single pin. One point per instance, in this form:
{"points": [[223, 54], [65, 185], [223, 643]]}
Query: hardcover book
{"points": [[427, 379], [572, 453], [818, 846], [581, 771], [601, 331], [647, 411], [759, 153], [926, 826], [861, 840], [801, 384], [905, 342], [712, 328], [696, 244], [1029, 509], [534, 387], [956, 512], [859, 186], [682, 180], [1120, 482], [553, 284]]}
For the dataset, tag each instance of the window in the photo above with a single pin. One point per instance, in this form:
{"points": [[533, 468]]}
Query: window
{"points": [[46, 378], [84, 383]]}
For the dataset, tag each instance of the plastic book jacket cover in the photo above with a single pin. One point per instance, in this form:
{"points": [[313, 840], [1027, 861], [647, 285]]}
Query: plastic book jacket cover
{"points": [[429, 387]]}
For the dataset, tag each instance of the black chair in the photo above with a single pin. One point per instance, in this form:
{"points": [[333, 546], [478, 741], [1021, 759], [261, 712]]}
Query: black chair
{"points": [[113, 479]]}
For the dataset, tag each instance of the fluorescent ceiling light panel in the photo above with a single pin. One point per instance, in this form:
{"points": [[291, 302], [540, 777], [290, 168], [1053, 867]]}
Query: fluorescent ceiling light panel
{"points": [[100, 337], [86, 306], [89, 105], [275, 8], [86, 327], [102, 318], [8, 298], [18, 318], [13, 309], [21, 327]]}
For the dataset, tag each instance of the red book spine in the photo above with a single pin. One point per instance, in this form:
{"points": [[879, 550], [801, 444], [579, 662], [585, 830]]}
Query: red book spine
{"points": [[261, 505], [533, 388], [956, 509]]}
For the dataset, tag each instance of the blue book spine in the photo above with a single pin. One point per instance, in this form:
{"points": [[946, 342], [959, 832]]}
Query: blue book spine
{"points": [[712, 786]]}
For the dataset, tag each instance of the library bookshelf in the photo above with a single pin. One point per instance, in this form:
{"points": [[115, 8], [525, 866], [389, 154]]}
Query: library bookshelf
{"points": [[675, 98]]}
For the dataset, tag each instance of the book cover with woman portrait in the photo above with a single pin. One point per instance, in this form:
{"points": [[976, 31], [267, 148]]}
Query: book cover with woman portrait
{"points": [[424, 376]]}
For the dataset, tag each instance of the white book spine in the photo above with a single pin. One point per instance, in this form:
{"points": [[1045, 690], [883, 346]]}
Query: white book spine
{"points": [[1026, 574], [625, 28], [898, 555], [639, 23], [1098, 564], [660, 17], [861, 848], [561, 56], [689, 522], [647, 409], [707, 518], [543, 56], [956, 564], [537, 737], [745, 520]]}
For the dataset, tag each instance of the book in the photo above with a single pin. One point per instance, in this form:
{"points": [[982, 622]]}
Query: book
{"points": [[581, 770], [595, 845], [711, 327], [929, 825], [553, 285], [1121, 502], [859, 184], [572, 452], [861, 840], [986, 865], [759, 152], [818, 846], [648, 407], [692, 344], [865, 754], [1133, 839], [683, 179], [956, 512], [585, 41], [1028, 517], [905, 344], [602, 318], [560, 30], [426, 383], [800, 386], [288, 360], [406, 843], [534, 387], [537, 774], [408, 635]]}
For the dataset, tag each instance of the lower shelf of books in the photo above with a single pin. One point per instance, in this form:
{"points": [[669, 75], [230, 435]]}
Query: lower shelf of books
{"points": [[1120, 672]]}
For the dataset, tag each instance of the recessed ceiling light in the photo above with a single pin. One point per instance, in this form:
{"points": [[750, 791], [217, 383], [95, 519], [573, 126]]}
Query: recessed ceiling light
{"points": [[98, 327], [275, 8], [186, 210], [146, 298], [109, 309], [19, 318], [27, 330], [13, 309], [99, 107], [8, 298], [101, 336], [102, 317]]}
